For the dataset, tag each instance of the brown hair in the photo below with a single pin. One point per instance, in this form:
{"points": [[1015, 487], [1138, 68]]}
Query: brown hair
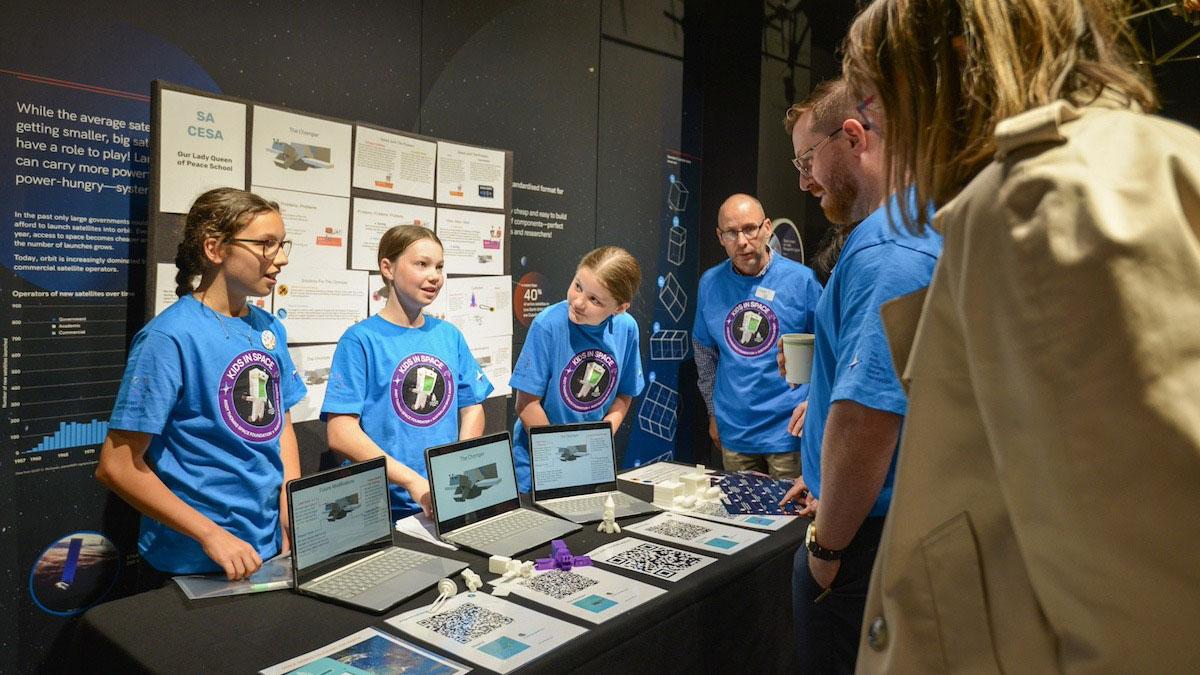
{"points": [[395, 241], [968, 64], [830, 102], [616, 269], [219, 213]]}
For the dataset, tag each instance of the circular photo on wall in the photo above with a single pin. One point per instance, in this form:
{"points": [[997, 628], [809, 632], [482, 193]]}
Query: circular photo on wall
{"points": [[74, 573]]}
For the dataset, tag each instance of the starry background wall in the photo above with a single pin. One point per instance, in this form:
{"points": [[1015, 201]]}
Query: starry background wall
{"points": [[587, 95]]}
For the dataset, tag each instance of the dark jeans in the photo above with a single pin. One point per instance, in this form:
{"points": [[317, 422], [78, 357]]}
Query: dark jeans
{"points": [[827, 631]]}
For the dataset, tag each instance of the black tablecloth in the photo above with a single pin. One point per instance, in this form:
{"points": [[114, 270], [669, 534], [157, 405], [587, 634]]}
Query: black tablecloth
{"points": [[732, 616]]}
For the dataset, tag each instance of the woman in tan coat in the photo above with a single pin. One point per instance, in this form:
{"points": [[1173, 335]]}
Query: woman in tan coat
{"points": [[1046, 514]]}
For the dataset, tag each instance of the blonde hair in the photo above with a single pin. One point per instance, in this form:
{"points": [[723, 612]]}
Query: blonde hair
{"points": [[617, 269], [968, 64], [396, 240], [218, 214]]}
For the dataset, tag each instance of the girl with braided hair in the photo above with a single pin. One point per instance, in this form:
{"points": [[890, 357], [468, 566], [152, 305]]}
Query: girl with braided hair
{"points": [[200, 441]]}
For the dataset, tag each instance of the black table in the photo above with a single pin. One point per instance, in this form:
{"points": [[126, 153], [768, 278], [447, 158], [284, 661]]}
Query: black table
{"points": [[732, 616]]}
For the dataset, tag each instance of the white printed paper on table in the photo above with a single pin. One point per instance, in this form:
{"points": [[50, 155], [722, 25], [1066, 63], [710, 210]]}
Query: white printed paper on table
{"points": [[479, 306], [473, 241], [319, 305], [298, 152], [719, 514], [589, 593], [313, 363], [392, 163], [371, 651], [201, 145], [372, 218], [646, 557], [658, 472], [469, 176], [486, 630], [494, 355], [704, 535], [317, 225]]}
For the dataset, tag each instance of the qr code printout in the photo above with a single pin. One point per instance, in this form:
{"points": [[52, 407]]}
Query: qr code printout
{"points": [[559, 584], [465, 623], [655, 560], [679, 530]]}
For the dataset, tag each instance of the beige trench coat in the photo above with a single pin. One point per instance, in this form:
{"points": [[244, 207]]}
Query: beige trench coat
{"points": [[1046, 514]]}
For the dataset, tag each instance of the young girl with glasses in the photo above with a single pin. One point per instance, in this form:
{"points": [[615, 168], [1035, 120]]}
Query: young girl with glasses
{"points": [[200, 440], [581, 360], [403, 381]]}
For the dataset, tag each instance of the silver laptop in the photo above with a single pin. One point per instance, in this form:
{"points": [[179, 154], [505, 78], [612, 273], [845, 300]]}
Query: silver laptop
{"points": [[475, 502], [341, 528], [575, 472]]}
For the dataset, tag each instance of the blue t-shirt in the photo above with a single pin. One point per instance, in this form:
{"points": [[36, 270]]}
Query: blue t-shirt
{"points": [[742, 318], [578, 371], [852, 361], [406, 386], [213, 392]]}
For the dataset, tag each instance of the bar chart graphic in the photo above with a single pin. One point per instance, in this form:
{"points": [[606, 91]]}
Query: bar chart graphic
{"points": [[73, 435]]}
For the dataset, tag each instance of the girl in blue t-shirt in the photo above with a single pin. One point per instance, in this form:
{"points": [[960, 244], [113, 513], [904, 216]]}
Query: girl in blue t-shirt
{"points": [[403, 381], [581, 360], [200, 440]]}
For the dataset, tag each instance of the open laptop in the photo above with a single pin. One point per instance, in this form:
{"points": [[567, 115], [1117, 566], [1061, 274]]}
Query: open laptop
{"points": [[475, 501], [342, 551], [575, 472]]}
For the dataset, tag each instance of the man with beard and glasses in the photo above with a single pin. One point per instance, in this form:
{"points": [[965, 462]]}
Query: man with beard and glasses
{"points": [[856, 405]]}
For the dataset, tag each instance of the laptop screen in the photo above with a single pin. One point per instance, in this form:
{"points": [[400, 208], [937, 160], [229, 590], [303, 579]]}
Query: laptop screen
{"points": [[340, 515], [471, 480], [572, 459]]}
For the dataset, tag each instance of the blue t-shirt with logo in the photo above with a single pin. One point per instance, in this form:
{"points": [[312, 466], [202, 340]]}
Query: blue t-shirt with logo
{"points": [[578, 371], [213, 392], [406, 386], [852, 361], [742, 318]]}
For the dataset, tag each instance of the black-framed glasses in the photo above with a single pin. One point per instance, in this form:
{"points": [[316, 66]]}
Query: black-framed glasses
{"points": [[750, 231], [803, 161], [270, 247]]}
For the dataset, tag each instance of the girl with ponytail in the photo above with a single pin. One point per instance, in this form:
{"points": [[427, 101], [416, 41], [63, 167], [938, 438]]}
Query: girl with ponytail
{"points": [[200, 440]]}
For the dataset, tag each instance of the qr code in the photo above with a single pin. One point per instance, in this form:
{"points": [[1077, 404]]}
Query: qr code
{"points": [[658, 561], [679, 530], [558, 584], [465, 623], [713, 509]]}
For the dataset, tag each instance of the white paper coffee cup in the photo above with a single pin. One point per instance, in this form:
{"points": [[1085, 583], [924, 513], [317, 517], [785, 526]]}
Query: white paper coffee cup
{"points": [[798, 357]]}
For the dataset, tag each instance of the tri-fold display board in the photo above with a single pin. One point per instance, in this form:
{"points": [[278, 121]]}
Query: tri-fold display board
{"points": [[340, 185]]}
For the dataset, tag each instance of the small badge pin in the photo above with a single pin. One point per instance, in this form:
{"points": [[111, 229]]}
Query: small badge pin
{"points": [[268, 339]]}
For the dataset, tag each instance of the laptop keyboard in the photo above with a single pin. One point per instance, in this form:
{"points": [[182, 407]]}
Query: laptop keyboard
{"points": [[502, 528], [590, 503], [359, 578]]}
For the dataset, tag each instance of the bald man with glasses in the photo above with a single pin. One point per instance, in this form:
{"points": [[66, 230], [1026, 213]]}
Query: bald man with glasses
{"points": [[744, 304]]}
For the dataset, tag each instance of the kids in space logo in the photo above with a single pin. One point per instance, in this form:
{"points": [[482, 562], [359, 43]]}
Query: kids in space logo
{"points": [[751, 328], [588, 379], [422, 389], [249, 396]]}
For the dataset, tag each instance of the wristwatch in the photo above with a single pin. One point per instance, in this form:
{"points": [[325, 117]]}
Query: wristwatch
{"points": [[818, 551]]}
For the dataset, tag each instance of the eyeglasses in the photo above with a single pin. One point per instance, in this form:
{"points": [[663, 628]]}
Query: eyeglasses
{"points": [[803, 161], [750, 231], [270, 247]]}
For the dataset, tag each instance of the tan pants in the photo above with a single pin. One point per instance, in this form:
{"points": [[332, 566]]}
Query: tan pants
{"points": [[778, 464]]}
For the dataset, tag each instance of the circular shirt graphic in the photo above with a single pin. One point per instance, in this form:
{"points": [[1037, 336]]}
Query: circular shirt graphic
{"points": [[751, 328], [588, 379], [422, 389], [74, 573], [249, 396]]}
